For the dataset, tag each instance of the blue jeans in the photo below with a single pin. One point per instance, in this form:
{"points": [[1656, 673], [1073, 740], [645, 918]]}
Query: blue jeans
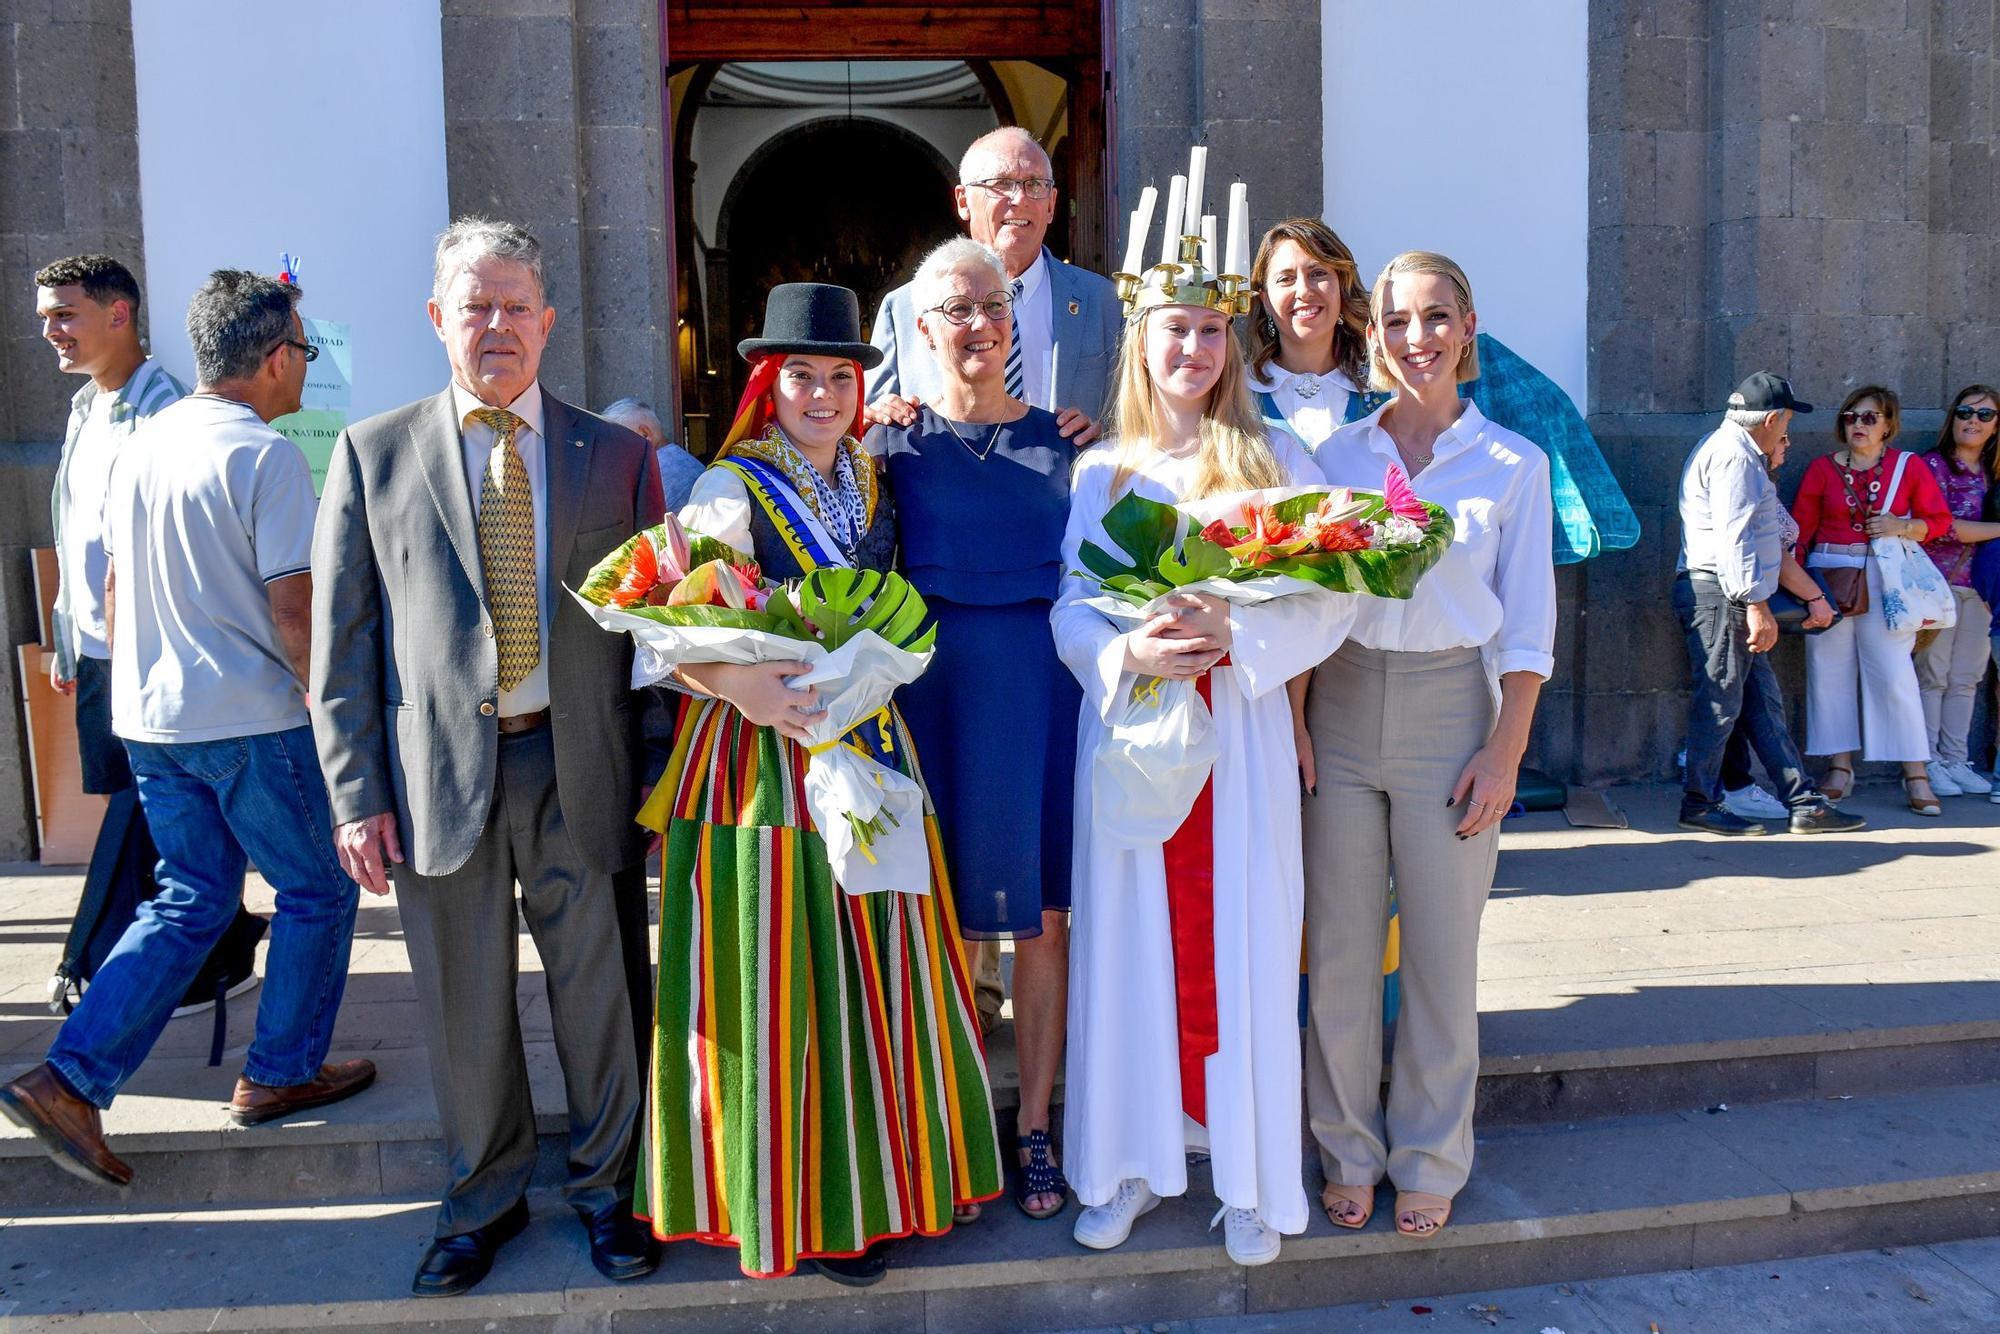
{"points": [[208, 804], [1735, 690]]}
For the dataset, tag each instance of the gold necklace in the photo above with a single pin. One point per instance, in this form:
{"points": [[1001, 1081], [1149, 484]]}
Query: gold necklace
{"points": [[991, 440]]}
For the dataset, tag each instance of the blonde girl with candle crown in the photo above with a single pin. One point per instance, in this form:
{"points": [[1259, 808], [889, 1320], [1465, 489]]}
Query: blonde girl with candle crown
{"points": [[1184, 955]]}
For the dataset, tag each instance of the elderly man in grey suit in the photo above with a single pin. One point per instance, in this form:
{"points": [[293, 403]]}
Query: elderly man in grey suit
{"points": [[1066, 319], [478, 729]]}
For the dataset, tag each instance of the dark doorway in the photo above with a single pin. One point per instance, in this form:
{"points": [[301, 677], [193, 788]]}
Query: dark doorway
{"points": [[836, 230]]}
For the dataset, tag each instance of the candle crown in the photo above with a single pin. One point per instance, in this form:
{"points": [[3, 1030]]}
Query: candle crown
{"points": [[1188, 277]]}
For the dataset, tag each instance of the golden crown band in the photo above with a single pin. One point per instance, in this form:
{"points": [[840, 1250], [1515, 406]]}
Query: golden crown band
{"points": [[1184, 284]]}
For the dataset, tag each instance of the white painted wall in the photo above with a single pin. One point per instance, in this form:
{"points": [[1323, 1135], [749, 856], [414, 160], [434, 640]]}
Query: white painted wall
{"points": [[1502, 88], [317, 130]]}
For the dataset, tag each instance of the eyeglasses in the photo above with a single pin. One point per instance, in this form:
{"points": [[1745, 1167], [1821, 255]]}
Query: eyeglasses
{"points": [[1034, 187], [1965, 414], [1868, 418], [959, 310], [310, 352]]}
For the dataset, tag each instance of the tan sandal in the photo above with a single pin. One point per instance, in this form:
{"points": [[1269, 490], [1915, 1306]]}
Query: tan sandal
{"points": [[1826, 789], [1419, 1216], [1335, 1198], [1927, 804]]}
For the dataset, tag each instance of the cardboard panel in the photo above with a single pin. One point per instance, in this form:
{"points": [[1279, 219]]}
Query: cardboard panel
{"points": [[66, 817]]}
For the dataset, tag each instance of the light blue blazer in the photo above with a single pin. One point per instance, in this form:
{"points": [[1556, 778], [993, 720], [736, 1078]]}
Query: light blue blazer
{"points": [[1084, 307]]}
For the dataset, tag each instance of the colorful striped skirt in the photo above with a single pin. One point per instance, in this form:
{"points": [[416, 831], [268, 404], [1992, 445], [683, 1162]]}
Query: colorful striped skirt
{"points": [[818, 1080]]}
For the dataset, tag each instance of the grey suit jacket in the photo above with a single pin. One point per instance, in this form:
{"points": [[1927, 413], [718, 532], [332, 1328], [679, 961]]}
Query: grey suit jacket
{"points": [[403, 655], [1083, 306]]}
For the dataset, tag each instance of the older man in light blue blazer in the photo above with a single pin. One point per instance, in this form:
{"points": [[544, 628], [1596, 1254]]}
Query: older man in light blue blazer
{"points": [[1066, 318]]}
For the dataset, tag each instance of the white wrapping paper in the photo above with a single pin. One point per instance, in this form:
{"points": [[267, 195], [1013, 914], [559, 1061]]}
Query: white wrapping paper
{"points": [[855, 683], [1149, 768]]}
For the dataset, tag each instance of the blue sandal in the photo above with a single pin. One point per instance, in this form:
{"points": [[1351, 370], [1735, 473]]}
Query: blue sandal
{"points": [[1038, 1176]]}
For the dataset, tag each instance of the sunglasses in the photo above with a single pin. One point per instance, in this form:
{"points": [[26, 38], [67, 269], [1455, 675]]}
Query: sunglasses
{"points": [[1868, 418], [1983, 414]]}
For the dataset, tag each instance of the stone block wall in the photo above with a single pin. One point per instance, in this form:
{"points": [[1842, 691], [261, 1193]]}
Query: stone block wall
{"points": [[553, 120], [1243, 77], [69, 183], [1800, 185]]}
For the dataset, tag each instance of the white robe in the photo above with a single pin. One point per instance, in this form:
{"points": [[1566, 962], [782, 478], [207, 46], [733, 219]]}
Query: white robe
{"points": [[1122, 1115]]}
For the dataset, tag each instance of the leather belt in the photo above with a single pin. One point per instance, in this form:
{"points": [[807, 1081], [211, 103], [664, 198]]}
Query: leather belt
{"points": [[524, 722]]}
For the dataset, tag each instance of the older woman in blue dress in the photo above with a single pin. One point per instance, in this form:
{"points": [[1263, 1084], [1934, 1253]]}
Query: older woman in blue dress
{"points": [[1418, 724], [981, 482]]}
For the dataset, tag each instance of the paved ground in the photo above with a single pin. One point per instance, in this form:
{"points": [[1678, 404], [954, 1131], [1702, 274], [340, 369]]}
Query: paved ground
{"points": [[1596, 940], [1948, 1289]]}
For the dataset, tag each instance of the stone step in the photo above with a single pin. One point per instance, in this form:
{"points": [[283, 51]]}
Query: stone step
{"points": [[171, 1125], [1621, 1195]]}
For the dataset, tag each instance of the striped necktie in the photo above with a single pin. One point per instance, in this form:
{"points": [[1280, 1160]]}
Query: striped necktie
{"points": [[1017, 385], [507, 550]]}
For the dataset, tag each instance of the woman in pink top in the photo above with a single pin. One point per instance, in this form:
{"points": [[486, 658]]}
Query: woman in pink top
{"points": [[1950, 667], [1861, 685]]}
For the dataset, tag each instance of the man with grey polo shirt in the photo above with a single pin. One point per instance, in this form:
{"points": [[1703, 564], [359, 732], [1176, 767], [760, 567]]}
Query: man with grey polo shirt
{"points": [[208, 532], [1732, 550]]}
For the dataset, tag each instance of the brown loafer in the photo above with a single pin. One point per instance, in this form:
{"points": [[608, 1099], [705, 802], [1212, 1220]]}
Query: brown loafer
{"points": [[256, 1103], [68, 1127]]}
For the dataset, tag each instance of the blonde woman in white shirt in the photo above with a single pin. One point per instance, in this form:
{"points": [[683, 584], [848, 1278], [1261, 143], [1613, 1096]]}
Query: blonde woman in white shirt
{"points": [[1415, 730], [1308, 331]]}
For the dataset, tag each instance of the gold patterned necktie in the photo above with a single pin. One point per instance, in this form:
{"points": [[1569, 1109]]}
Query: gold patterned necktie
{"points": [[507, 550]]}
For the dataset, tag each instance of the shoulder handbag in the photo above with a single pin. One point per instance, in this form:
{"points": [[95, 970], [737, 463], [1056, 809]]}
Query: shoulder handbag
{"points": [[1914, 595], [1790, 612]]}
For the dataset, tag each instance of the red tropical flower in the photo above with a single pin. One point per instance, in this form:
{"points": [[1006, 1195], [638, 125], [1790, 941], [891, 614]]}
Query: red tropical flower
{"points": [[642, 572]]}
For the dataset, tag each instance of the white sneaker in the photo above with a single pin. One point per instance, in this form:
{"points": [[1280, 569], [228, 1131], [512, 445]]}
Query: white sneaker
{"points": [[1754, 803], [1103, 1226], [1941, 780], [1968, 779], [1247, 1238]]}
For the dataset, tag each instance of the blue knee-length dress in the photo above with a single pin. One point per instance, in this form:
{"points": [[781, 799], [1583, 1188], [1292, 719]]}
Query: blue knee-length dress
{"points": [[982, 513]]}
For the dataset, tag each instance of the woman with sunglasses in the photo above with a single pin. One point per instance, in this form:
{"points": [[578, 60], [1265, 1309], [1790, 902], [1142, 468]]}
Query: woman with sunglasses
{"points": [[981, 482], [1308, 332], [1950, 667], [1861, 685]]}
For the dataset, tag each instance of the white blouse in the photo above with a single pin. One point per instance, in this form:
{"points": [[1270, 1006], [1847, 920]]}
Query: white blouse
{"points": [[1314, 406], [1495, 589]]}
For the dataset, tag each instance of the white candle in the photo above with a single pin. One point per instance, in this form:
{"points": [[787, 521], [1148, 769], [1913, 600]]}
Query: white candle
{"points": [[1142, 221], [1197, 170], [1236, 256], [1208, 241], [1170, 246]]}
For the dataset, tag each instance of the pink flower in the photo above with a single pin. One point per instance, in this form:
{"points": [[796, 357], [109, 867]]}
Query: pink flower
{"points": [[1402, 500]]}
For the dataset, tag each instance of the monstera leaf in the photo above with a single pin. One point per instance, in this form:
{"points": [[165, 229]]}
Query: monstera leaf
{"points": [[839, 603]]}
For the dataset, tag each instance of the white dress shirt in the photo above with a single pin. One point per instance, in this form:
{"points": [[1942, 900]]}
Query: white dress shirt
{"points": [[1314, 406], [532, 693], [1730, 525], [1495, 589], [85, 484], [1034, 312]]}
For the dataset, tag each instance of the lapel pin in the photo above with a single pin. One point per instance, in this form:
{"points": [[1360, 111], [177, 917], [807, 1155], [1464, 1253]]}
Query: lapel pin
{"points": [[1075, 306]]}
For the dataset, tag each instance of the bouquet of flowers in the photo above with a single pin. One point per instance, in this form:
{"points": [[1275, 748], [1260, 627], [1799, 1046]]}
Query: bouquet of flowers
{"points": [[1245, 548], [685, 598]]}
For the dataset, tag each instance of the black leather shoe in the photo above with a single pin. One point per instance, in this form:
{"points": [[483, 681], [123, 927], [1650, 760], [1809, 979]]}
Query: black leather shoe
{"points": [[1822, 818], [1719, 820], [454, 1265], [621, 1246], [860, 1271]]}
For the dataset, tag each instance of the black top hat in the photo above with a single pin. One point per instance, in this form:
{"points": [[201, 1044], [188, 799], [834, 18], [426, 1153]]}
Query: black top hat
{"points": [[818, 319]]}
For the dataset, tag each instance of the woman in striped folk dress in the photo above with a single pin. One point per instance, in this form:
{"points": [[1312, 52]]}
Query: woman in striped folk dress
{"points": [[819, 1086]]}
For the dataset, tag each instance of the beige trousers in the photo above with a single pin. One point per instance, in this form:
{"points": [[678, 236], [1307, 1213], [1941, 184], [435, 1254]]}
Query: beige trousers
{"points": [[989, 989], [1391, 733], [1949, 671]]}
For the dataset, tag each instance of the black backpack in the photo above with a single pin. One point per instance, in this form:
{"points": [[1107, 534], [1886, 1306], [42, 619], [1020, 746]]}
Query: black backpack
{"points": [[119, 880]]}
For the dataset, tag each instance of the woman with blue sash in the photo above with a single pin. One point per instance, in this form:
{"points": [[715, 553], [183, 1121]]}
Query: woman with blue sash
{"points": [[819, 1086]]}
